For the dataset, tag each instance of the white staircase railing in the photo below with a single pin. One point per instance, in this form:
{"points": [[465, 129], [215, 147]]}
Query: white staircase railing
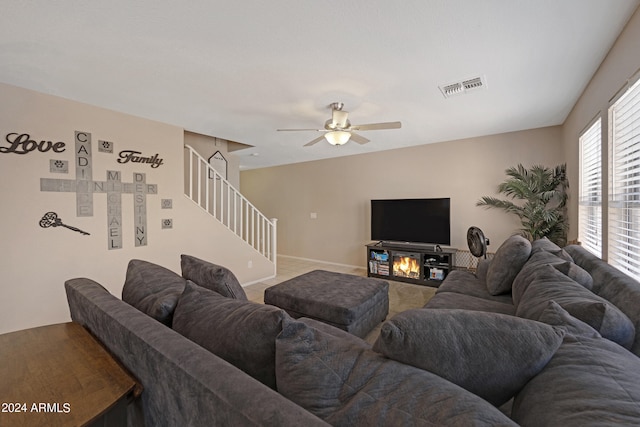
{"points": [[213, 193]]}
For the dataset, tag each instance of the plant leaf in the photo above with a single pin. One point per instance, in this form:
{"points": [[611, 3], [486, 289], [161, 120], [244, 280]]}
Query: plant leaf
{"points": [[543, 193]]}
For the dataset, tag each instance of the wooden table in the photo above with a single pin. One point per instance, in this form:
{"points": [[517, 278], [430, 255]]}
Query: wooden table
{"points": [[58, 375]]}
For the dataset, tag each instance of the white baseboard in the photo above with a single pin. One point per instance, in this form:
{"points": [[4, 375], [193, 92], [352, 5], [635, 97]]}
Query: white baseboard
{"points": [[323, 262], [317, 261], [253, 282]]}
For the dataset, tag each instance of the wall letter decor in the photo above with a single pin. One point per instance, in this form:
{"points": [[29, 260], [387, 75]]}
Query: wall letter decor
{"points": [[85, 187], [23, 144], [84, 174], [127, 156]]}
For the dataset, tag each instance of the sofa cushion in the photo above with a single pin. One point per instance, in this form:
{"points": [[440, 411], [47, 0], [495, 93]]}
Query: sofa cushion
{"points": [[597, 312], [241, 332], [528, 273], [482, 268], [348, 385], [491, 355], [588, 382], [152, 289], [613, 285], [532, 268], [468, 302], [506, 264], [546, 245], [211, 276], [575, 272], [336, 332], [555, 315], [467, 283]]}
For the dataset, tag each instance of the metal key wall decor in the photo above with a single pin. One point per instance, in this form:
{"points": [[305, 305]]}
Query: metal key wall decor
{"points": [[50, 219]]}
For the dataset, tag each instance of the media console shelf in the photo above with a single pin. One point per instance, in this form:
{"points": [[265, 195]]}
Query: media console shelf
{"points": [[411, 263]]}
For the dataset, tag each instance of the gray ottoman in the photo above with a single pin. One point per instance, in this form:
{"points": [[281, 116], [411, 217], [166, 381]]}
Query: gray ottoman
{"points": [[352, 303]]}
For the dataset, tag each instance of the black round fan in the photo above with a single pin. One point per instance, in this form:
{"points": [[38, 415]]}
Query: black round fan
{"points": [[477, 242]]}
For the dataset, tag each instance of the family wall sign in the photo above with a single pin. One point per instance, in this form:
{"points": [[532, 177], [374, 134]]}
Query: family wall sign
{"points": [[85, 186]]}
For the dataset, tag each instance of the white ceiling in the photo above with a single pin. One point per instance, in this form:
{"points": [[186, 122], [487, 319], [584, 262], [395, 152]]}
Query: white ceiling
{"points": [[239, 70]]}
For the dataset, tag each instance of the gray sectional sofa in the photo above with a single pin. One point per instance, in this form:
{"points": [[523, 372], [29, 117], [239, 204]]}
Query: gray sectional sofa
{"points": [[593, 377], [206, 356]]}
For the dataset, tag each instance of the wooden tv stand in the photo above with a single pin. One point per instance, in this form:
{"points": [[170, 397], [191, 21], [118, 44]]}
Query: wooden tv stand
{"points": [[414, 263]]}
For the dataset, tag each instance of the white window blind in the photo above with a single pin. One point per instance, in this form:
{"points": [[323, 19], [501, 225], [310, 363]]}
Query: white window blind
{"points": [[624, 194], [590, 203]]}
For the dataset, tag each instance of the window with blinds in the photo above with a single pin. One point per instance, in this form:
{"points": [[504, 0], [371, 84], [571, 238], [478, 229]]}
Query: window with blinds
{"points": [[624, 182], [590, 201]]}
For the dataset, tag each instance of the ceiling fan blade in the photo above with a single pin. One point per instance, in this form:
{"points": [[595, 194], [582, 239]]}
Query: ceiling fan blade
{"points": [[358, 138], [377, 126], [339, 118], [318, 139], [297, 130]]}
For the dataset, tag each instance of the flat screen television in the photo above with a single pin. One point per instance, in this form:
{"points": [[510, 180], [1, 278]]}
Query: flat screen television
{"points": [[411, 220]]}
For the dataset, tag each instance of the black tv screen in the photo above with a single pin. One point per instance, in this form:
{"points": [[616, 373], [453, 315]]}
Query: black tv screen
{"points": [[411, 220]]}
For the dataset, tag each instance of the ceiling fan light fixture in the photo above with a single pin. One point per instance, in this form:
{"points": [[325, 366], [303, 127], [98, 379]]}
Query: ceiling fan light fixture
{"points": [[337, 137], [338, 130]]}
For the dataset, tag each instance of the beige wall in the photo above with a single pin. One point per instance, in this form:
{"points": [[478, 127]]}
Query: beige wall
{"points": [[621, 63], [339, 190], [36, 261]]}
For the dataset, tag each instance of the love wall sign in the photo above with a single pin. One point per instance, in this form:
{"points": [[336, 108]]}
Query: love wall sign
{"points": [[21, 143]]}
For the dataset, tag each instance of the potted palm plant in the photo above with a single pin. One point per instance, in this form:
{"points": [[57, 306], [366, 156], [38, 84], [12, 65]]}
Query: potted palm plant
{"points": [[539, 198]]}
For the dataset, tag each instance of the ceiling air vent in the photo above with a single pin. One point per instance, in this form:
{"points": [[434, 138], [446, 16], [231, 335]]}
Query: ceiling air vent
{"points": [[464, 86]]}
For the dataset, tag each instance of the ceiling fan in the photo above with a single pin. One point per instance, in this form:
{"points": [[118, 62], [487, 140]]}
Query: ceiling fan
{"points": [[338, 130]]}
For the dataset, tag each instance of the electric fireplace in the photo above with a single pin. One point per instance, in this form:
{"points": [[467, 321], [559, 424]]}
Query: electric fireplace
{"points": [[411, 263], [406, 265]]}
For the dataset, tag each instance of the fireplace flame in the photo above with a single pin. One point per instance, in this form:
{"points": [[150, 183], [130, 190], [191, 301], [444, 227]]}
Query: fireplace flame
{"points": [[406, 266]]}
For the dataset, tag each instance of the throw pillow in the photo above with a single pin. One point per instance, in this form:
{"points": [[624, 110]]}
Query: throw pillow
{"points": [[575, 272], [544, 244], [481, 269], [152, 289], [506, 264], [346, 384], [555, 315], [491, 355], [336, 332], [241, 332], [588, 382], [532, 268], [597, 312], [529, 272], [211, 276]]}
